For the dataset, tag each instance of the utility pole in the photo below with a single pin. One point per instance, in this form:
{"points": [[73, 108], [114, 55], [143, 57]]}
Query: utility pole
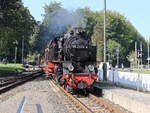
{"points": [[136, 52], [104, 31], [141, 53], [117, 51], [138, 82], [23, 50], [148, 51], [139, 60], [104, 59], [15, 55]]}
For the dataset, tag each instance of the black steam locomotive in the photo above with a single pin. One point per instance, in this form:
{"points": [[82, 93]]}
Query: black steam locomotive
{"points": [[71, 60]]}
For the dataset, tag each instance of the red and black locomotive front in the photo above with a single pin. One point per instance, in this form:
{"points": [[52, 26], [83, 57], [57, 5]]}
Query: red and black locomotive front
{"points": [[76, 60], [79, 66]]}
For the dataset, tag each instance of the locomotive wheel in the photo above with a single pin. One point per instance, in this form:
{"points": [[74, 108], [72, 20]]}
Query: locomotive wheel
{"points": [[86, 92], [67, 88], [50, 76], [74, 91]]}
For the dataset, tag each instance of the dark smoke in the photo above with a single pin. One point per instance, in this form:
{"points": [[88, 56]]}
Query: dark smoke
{"points": [[57, 23], [62, 20]]}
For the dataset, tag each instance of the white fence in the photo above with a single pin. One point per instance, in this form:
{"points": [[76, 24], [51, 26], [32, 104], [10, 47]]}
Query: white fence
{"points": [[127, 79]]}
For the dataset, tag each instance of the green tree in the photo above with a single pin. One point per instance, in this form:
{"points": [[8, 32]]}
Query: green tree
{"points": [[16, 22], [118, 29], [132, 57], [112, 48]]}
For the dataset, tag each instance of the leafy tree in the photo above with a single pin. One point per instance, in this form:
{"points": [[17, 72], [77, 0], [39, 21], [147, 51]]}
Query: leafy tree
{"points": [[118, 29], [97, 40], [16, 22], [112, 47], [132, 57]]}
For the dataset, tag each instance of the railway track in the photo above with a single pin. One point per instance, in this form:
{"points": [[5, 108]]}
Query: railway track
{"points": [[8, 84], [90, 104]]}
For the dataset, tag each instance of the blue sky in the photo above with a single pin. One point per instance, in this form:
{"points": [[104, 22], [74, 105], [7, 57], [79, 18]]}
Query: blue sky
{"points": [[136, 11]]}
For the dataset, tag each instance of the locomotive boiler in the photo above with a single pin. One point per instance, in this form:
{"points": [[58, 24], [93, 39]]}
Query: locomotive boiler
{"points": [[71, 60]]}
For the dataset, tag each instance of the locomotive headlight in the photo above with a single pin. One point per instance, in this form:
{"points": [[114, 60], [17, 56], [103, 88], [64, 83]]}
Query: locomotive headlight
{"points": [[91, 67], [70, 67]]}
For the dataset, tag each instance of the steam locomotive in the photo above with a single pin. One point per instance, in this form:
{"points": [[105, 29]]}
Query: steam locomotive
{"points": [[71, 61]]}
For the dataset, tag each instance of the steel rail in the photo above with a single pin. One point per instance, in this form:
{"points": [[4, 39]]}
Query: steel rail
{"points": [[19, 82], [5, 83], [106, 105], [79, 104], [76, 102]]}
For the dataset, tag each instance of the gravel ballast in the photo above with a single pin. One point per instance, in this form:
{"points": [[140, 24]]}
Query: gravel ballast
{"points": [[40, 96]]}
